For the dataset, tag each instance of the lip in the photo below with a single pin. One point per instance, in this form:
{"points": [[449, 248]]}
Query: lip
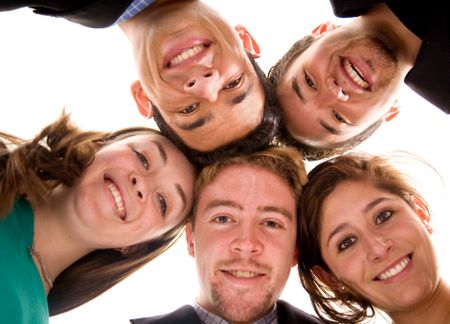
{"points": [[240, 276], [394, 264], [362, 67], [120, 207], [179, 46]]}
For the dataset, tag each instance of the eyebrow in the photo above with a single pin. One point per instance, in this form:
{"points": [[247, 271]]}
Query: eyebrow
{"points": [[229, 203], [236, 100], [329, 128], [161, 150], [222, 202], [297, 90], [278, 210], [181, 194], [366, 209]]}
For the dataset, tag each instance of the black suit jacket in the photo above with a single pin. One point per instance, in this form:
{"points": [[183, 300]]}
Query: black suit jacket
{"points": [[287, 314], [89, 13]]}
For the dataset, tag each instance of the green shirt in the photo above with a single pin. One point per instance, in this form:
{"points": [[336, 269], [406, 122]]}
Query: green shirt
{"points": [[22, 294]]}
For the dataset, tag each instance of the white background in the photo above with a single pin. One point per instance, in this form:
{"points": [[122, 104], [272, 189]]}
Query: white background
{"points": [[47, 64]]}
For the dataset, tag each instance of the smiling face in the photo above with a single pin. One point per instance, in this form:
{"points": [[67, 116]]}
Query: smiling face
{"points": [[243, 242], [377, 246], [135, 190], [197, 73], [343, 83]]}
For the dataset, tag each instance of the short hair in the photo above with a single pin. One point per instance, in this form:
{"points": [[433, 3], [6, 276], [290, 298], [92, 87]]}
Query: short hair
{"points": [[58, 155], [257, 139], [312, 153], [332, 305], [286, 162]]}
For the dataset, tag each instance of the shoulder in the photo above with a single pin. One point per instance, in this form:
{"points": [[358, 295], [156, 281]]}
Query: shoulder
{"points": [[185, 314], [291, 314]]}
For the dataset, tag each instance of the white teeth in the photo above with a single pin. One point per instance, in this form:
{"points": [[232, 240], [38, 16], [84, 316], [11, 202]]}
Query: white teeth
{"points": [[243, 274], [394, 270], [355, 74], [187, 53], [117, 198]]}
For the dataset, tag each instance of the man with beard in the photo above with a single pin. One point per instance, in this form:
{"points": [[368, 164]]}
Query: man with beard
{"points": [[242, 234], [338, 85]]}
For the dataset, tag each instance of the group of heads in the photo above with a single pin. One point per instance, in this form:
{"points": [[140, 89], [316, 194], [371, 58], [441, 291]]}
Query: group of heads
{"points": [[200, 82]]}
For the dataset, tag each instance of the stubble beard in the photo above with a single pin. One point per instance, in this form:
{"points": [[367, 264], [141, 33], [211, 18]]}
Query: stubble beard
{"points": [[239, 310]]}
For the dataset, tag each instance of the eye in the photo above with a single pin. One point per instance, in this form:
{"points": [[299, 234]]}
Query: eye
{"points": [[310, 82], [383, 216], [234, 83], [346, 243], [272, 224], [339, 117], [190, 109], [222, 219], [142, 159], [162, 204]]}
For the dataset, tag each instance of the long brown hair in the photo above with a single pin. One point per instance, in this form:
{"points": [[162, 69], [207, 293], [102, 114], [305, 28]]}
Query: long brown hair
{"points": [[332, 305], [58, 155]]}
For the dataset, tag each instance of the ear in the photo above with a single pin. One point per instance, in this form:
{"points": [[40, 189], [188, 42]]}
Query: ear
{"points": [[326, 277], [422, 212], [141, 99], [295, 258], [248, 41], [393, 112], [190, 239], [323, 28]]}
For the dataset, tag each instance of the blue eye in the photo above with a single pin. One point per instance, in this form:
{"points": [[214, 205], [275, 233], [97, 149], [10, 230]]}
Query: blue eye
{"points": [[383, 216], [162, 204], [309, 82], [222, 219], [142, 159], [346, 243]]}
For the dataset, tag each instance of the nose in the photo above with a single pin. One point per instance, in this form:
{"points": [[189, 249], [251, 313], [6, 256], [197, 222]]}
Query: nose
{"points": [[204, 85], [378, 248], [247, 241], [336, 92], [139, 187]]}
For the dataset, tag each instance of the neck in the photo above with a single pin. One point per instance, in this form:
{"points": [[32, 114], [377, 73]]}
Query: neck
{"points": [[433, 310], [385, 24], [57, 245]]}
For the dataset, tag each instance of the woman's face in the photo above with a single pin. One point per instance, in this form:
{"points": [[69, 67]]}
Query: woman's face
{"points": [[135, 190], [375, 244]]}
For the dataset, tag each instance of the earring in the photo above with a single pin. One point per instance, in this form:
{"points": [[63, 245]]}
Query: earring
{"points": [[342, 289]]}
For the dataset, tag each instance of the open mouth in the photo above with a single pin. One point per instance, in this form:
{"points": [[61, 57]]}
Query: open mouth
{"points": [[355, 74], [187, 53], [118, 199], [395, 269]]}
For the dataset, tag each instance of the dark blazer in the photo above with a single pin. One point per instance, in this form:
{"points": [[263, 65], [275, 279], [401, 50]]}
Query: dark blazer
{"points": [[89, 13], [430, 76], [287, 314]]}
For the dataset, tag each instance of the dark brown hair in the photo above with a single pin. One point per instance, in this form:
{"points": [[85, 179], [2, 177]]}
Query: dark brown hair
{"points": [[332, 305]]}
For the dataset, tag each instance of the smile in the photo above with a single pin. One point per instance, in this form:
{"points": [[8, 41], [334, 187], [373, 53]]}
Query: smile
{"points": [[186, 54], [355, 74], [117, 198], [243, 274], [395, 270]]}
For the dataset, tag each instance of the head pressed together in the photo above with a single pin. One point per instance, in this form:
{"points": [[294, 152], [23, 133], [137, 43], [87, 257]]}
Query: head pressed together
{"points": [[197, 76], [243, 231]]}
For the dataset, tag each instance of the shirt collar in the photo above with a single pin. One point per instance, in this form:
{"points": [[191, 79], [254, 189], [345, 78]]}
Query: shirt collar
{"points": [[209, 318]]}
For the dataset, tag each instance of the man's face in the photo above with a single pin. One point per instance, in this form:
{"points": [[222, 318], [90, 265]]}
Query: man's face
{"points": [[200, 77], [243, 242], [344, 82]]}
